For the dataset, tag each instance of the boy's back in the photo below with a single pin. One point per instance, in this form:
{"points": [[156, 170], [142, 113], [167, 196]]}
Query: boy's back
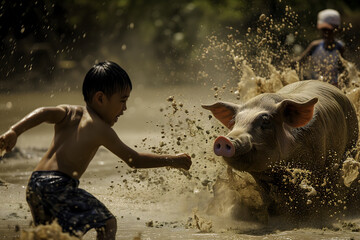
{"points": [[75, 142]]}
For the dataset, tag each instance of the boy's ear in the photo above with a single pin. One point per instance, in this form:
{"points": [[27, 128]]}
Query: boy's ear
{"points": [[99, 97]]}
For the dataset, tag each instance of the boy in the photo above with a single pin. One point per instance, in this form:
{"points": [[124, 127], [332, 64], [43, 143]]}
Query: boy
{"points": [[325, 53], [52, 191]]}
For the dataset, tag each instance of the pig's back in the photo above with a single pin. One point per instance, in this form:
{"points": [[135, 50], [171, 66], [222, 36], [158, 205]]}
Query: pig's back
{"points": [[334, 125], [311, 88]]}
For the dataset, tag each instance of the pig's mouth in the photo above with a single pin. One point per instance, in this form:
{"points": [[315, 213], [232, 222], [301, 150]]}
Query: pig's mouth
{"points": [[254, 161], [241, 162]]}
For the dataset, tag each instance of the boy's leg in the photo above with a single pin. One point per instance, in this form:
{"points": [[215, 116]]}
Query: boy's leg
{"points": [[75, 209], [107, 232], [39, 212]]}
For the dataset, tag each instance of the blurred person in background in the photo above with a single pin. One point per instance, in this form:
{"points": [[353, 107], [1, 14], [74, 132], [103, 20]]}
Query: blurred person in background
{"points": [[324, 55]]}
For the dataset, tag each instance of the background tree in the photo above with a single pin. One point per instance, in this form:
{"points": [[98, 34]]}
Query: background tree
{"points": [[157, 40]]}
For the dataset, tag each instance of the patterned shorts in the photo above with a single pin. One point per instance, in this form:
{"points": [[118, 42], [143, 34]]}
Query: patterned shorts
{"points": [[53, 195]]}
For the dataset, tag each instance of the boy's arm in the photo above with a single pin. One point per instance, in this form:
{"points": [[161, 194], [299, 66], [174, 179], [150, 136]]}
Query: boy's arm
{"points": [[36, 117], [143, 160], [308, 51]]}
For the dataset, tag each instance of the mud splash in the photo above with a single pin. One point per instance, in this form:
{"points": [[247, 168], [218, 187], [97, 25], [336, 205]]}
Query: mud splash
{"points": [[259, 62], [45, 232]]}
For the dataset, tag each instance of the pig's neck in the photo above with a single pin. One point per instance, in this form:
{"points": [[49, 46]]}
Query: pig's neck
{"points": [[273, 175], [264, 181]]}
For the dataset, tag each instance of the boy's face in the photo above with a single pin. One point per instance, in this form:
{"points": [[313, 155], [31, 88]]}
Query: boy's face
{"points": [[328, 34], [115, 106]]}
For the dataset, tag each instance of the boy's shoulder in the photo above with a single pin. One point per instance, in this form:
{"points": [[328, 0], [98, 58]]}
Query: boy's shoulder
{"points": [[85, 115], [83, 119], [317, 42], [75, 115], [70, 106], [73, 112], [313, 45]]}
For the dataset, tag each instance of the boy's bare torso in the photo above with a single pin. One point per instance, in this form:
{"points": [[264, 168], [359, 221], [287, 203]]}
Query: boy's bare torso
{"points": [[75, 142]]}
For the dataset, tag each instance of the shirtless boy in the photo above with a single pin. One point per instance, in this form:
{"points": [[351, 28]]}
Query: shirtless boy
{"points": [[52, 191]]}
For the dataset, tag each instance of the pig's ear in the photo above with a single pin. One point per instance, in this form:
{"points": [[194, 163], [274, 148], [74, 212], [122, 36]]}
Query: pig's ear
{"points": [[297, 114], [224, 112]]}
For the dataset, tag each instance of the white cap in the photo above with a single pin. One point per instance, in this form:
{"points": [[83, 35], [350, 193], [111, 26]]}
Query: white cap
{"points": [[328, 18]]}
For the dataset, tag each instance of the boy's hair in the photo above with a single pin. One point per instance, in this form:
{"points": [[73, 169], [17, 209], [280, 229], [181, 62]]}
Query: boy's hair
{"points": [[107, 77]]}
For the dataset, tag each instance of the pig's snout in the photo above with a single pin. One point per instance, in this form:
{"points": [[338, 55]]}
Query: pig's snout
{"points": [[224, 147], [228, 147]]}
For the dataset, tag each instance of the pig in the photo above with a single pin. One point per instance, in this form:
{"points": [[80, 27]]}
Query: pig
{"points": [[307, 124]]}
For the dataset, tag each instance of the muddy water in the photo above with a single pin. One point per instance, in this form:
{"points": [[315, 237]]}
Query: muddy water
{"points": [[149, 204]]}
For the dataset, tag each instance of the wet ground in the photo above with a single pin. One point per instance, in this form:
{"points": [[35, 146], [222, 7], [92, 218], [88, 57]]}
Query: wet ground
{"points": [[149, 204]]}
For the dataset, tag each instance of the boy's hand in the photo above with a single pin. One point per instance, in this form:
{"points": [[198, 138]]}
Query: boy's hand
{"points": [[182, 161], [7, 141]]}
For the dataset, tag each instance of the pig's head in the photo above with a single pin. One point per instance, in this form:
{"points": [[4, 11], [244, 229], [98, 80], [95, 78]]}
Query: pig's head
{"points": [[261, 131]]}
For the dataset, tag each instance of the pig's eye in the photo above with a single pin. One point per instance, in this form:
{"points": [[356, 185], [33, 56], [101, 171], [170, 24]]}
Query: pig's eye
{"points": [[265, 121]]}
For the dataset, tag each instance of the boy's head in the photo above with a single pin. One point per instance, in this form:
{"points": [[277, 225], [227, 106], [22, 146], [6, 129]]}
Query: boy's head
{"points": [[328, 19], [107, 77]]}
